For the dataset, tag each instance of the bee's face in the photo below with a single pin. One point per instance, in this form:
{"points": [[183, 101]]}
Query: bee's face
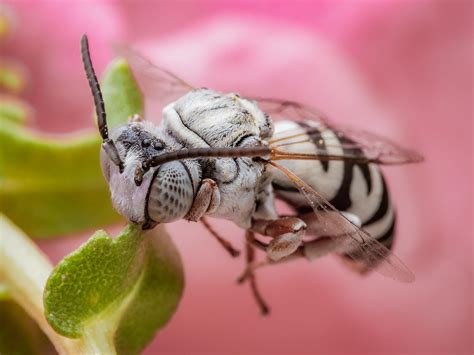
{"points": [[140, 139], [162, 194]]}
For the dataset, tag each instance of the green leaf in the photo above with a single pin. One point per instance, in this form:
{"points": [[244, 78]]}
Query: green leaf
{"points": [[122, 97], [51, 187], [115, 294]]}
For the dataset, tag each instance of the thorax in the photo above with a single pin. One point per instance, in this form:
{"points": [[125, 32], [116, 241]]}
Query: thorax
{"points": [[205, 118]]}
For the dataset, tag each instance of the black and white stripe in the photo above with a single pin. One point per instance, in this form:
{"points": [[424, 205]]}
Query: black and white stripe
{"points": [[359, 189]]}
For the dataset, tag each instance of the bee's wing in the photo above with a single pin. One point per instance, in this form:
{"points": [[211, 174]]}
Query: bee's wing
{"points": [[350, 239], [159, 85], [357, 146]]}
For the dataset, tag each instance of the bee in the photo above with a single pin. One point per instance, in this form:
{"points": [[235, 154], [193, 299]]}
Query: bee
{"points": [[231, 157]]}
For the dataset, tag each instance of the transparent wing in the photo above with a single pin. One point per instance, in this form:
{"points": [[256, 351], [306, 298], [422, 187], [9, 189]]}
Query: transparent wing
{"points": [[159, 85], [357, 146], [350, 239]]}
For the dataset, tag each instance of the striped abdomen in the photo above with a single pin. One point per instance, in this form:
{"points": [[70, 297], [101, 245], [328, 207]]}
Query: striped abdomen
{"points": [[359, 189]]}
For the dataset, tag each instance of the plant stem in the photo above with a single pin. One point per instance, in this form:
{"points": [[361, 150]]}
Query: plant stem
{"points": [[24, 270]]}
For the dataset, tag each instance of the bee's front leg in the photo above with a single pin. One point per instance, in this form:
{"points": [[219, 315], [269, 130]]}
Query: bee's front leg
{"points": [[287, 233], [207, 200]]}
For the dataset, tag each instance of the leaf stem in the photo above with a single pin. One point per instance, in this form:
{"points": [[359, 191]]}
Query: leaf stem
{"points": [[99, 339], [24, 270]]}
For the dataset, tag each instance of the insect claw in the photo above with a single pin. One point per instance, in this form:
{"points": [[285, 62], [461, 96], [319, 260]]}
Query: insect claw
{"points": [[234, 252], [138, 178], [264, 309]]}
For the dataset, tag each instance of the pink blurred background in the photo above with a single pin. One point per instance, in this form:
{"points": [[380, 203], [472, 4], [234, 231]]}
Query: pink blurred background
{"points": [[401, 68]]}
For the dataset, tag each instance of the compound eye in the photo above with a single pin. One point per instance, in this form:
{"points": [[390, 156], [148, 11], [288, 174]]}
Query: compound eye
{"points": [[146, 142], [171, 193]]}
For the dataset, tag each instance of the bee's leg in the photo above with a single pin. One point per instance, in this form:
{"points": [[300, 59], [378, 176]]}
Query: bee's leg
{"points": [[324, 245], [251, 267], [287, 233], [250, 259], [225, 243], [139, 172], [206, 201], [307, 250]]}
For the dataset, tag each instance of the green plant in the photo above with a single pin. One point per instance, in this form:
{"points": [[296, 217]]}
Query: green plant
{"points": [[110, 295]]}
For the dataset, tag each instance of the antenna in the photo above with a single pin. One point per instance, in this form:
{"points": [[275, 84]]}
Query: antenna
{"points": [[107, 144], [95, 88]]}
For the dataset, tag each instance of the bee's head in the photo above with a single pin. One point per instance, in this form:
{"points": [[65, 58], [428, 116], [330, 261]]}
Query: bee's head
{"points": [[159, 194], [141, 193]]}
